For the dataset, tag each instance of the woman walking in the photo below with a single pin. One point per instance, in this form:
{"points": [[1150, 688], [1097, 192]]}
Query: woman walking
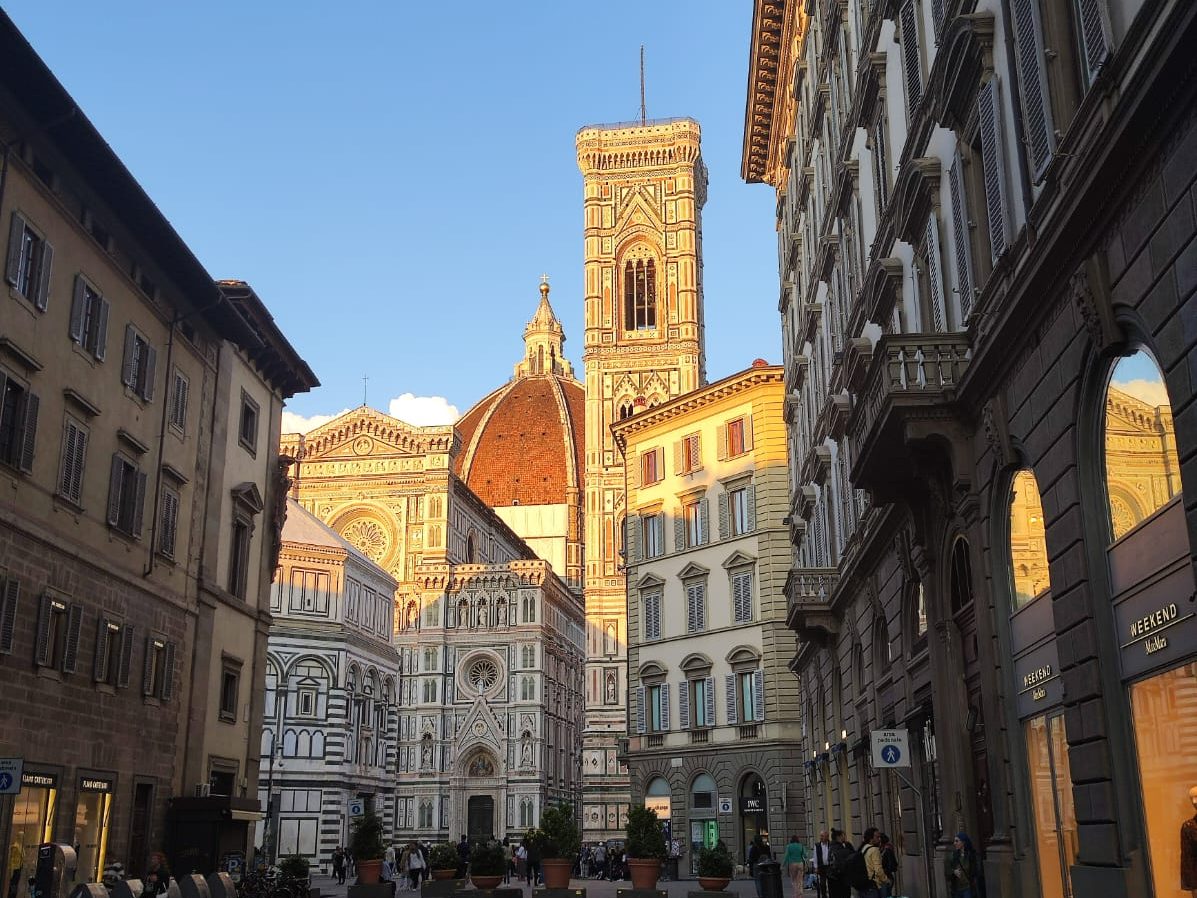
{"points": [[962, 868], [795, 863]]}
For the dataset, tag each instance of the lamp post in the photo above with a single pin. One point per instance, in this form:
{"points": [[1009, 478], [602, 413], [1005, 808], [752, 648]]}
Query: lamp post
{"points": [[270, 839]]}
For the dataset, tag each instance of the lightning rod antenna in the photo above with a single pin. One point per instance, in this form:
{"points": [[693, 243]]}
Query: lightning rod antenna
{"points": [[643, 113]]}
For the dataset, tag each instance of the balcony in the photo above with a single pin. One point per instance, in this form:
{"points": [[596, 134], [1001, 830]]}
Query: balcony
{"points": [[700, 737], [908, 395], [808, 595], [655, 740], [748, 731]]}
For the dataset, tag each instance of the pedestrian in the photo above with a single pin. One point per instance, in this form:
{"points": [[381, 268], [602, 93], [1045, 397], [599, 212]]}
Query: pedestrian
{"points": [[839, 883], [16, 860], [822, 863], [534, 864], [338, 865], [463, 857], [870, 849], [600, 860], [795, 862], [157, 879], [962, 868], [889, 863], [757, 852], [508, 861]]}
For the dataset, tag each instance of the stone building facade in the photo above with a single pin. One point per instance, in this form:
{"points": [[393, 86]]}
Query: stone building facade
{"points": [[331, 708], [714, 708], [644, 185], [985, 233], [139, 526], [489, 637]]}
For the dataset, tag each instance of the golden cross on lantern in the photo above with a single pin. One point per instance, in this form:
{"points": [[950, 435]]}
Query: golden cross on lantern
{"points": [[544, 278]]}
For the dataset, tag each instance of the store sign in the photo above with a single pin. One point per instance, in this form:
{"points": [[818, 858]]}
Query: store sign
{"points": [[40, 780], [659, 803], [1038, 680], [10, 775], [94, 784], [753, 804], [1158, 625]]}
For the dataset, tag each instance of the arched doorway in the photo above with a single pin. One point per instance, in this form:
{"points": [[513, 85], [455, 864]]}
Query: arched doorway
{"points": [[704, 828], [754, 811], [481, 772]]}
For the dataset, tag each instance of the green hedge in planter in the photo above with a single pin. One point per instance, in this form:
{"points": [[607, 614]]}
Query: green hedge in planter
{"points": [[646, 834], [365, 838], [443, 857], [294, 865], [487, 860], [559, 832], [716, 862]]}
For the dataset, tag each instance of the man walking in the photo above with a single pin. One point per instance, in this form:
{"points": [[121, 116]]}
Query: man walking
{"points": [[822, 864]]}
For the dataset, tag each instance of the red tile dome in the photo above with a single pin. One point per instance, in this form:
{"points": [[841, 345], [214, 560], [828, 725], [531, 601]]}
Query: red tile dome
{"points": [[523, 444]]}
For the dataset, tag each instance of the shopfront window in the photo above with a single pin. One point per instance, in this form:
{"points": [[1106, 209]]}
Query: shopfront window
{"points": [[33, 818], [1051, 799], [1165, 709], [1028, 540], [93, 811], [1142, 472], [704, 828]]}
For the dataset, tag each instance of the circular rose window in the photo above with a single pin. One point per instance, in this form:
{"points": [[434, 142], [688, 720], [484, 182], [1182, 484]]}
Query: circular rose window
{"points": [[483, 674], [369, 536]]}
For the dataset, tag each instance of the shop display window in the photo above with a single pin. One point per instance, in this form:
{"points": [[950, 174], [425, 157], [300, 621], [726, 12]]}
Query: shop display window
{"points": [[32, 823], [1165, 722], [92, 815], [1051, 800]]}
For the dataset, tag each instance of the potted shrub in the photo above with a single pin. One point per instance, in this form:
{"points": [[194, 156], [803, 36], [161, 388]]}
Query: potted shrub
{"points": [[365, 844], [443, 860], [645, 846], [715, 867], [559, 844], [487, 865], [294, 866]]}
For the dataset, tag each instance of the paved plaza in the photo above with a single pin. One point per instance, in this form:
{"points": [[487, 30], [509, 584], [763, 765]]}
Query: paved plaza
{"points": [[595, 888]]}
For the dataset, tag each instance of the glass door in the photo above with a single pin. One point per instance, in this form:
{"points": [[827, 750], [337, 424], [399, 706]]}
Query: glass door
{"points": [[1051, 803]]}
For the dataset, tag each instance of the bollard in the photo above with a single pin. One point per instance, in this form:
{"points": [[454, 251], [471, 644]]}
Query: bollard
{"points": [[220, 885], [768, 874], [89, 890]]}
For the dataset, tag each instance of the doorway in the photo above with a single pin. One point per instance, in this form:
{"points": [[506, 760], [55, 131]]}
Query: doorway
{"points": [[480, 818], [139, 829]]}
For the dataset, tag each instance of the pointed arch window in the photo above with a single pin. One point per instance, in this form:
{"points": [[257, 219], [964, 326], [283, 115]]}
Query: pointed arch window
{"points": [[640, 294]]}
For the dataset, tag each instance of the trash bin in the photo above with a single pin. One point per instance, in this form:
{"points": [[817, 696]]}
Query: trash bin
{"points": [[768, 874], [671, 869]]}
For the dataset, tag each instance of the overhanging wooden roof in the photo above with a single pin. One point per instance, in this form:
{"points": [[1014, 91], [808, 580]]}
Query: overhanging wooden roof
{"points": [[769, 77]]}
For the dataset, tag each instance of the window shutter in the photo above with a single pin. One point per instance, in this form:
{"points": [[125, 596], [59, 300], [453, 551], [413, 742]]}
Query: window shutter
{"points": [[632, 529], [1094, 36], [935, 275], [742, 596], [139, 503], [66, 474], [168, 672], [964, 271], [1032, 84], [147, 670], [937, 14], [127, 364], [78, 309], [758, 694], [98, 673], [42, 649], [709, 700], [683, 704], [8, 614], [126, 662], [101, 348], [70, 651], [992, 158], [748, 433], [42, 297], [691, 609], [910, 55], [678, 467], [29, 431], [679, 530], [750, 496], [729, 687], [695, 451], [723, 528], [635, 472], [170, 522], [641, 715], [704, 521], [115, 482], [879, 174], [151, 361], [700, 605], [721, 443], [16, 237]]}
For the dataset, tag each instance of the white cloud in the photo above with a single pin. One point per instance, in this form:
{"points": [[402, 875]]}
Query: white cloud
{"points": [[418, 411], [1153, 392]]}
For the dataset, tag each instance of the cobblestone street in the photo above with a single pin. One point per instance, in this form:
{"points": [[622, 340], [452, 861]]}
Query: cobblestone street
{"points": [[595, 888]]}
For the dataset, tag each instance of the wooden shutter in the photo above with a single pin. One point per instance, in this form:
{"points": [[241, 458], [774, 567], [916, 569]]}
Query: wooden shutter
{"points": [[126, 661], [115, 484], [700, 604], [937, 15], [748, 433], [704, 521], [935, 276], [683, 704], [695, 442], [635, 469], [960, 239], [68, 479], [28, 430], [1032, 84], [147, 668], [758, 694], [1095, 36], [742, 596], [99, 671], [989, 115], [908, 17], [44, 620], [70, 651], [665, 707], [8, 614], [169, 523], [151, 362], [729, 693], [100, 350], [168, 672], [641, 721], [880, 163], [41, 297], [709, 700], [138, 503], [679, 530], [723, 516], [721, 442], [750, 497], [678, 461], [78, 309], [16, 237], [632, 533], [130, 347]]}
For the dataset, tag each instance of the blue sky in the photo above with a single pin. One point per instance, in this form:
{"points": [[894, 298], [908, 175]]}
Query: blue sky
{"points": [[393, 177]]}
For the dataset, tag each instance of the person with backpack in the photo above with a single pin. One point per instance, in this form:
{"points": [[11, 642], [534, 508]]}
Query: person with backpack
{"points": [[889, 863], [962, 868], [839, 881], [869, 885]]}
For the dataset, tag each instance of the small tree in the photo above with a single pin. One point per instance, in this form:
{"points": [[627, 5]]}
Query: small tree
{"points": [[559, 832], [487, 860], [646, 834], [444, 856], [715, 862], [365, 838], [294, 865]]}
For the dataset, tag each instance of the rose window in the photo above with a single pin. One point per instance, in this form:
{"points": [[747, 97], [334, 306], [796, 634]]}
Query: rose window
{"points": [[483, 674], [369, 537]]}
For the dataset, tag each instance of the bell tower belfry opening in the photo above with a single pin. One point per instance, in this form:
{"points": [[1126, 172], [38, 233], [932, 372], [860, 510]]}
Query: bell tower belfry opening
{"points": [[644, 186]]}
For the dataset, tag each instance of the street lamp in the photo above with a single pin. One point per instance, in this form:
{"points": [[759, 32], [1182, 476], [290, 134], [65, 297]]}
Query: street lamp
{"points": [[270, 830]]}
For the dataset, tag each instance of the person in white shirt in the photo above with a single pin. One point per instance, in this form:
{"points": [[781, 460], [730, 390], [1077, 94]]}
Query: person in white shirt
{"points": [[822, 863]]}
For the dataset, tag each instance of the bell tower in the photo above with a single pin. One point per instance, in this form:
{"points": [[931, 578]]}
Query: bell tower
{"points": [[644, 185]]}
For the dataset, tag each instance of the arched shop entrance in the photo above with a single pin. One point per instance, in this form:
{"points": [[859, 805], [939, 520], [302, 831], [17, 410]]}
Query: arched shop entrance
{"points": [[754, 812], [704, 828]]}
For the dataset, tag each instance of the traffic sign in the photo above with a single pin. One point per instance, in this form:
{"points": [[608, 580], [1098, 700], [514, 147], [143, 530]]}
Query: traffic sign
{"points": [[725, 805], [10, 775], [891, 748], [357, 807]]}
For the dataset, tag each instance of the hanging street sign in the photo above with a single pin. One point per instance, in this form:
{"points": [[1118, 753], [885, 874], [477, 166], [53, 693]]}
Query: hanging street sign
{"points": [[891, 748]]}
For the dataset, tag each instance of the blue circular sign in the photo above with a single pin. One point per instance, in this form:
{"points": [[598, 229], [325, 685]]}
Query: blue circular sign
{"points": [[891, 754]]}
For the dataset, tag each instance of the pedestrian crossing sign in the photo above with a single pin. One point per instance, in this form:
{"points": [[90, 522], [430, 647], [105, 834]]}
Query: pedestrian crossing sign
{"points": [[891, 748]]}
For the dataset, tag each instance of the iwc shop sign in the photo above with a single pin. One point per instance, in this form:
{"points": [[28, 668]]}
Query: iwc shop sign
{"points": [[752, 804], [1038, 680]]}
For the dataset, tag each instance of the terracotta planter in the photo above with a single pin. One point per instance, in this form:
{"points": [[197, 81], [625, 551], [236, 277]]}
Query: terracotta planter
{"points": [[645, 872], [714, 883], [556, 872], [368, 872], [486, 882], [446, 873]]}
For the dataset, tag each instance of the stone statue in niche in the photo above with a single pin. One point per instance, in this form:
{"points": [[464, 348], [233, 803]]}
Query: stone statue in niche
{"points": [[526, 749], [611, 688], [425, 754]]}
